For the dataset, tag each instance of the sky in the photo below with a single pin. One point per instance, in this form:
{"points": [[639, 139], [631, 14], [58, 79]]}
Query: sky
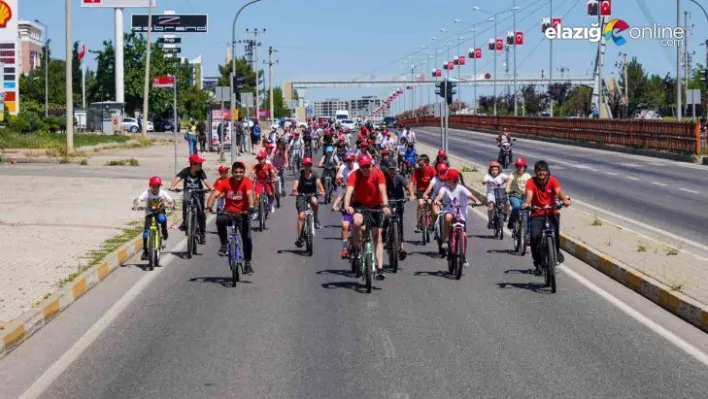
{"points": [[345, 40]]}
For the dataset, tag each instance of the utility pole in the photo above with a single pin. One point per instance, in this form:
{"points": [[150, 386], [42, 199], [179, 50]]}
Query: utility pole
{"points": [[69, 83], [516, 95], [550, 69], [270, 81], [686, 63], [506, 66], [257, 44], [622, 65], [679, 106], [146, 87]]}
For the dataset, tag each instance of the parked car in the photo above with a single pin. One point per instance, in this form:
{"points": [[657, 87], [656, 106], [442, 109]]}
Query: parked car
{"points": [[131, 125], [389, 121]]}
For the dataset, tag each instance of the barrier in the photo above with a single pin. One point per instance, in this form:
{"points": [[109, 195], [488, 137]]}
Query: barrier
{"points": [[669, 136]]}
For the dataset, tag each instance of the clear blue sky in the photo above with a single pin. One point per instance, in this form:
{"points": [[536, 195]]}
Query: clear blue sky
{"points": [[342, 40]]}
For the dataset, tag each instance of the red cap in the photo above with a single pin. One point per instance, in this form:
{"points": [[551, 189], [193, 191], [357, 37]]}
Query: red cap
{"points": [[261, 155], [364, 160], [155, 181], [385, 151], [441, 153], [442, 168], [195, 158], [521, 162], [452, 174], [307, 161], [223, 168], [350, 158], [494, 164]]}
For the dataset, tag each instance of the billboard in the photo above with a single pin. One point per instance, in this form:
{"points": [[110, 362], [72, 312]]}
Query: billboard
{"points": [[9, 58], [116, 3], [184, 23], [216, 118]]}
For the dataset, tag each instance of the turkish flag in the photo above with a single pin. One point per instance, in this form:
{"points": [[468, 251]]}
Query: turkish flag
{"points": [[461, 60], [450, 65], [82, 52], [500, 44], [556, 22], [606, 8], [519, 38], [438, 73], [478, 53]]}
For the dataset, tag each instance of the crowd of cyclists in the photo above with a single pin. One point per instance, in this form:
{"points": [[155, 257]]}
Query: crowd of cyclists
{"points": [[368, 168]]}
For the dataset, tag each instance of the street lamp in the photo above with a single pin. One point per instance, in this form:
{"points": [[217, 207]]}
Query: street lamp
{"points": [[46, 67], [69, 80]]}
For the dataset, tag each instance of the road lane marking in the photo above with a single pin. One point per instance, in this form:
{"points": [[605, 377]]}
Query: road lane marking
{"points": [[631, 165], [628, 310], [656, 183], [586, 167], [689, 191], [73, 353], [612, 173], [632, 178], [400, 395], [389, 349]]}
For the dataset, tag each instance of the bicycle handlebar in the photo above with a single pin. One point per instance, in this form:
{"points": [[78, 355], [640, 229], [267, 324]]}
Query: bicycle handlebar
{"points": [[199, 191]]}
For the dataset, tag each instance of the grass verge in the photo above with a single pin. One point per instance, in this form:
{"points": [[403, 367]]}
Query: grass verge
{"points": [[56, 141], [123, 162]]}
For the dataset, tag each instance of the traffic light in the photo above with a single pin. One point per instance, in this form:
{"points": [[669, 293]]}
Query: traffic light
{"points": [[449, 91], [238, 83], [705, 75], [440, 89]]}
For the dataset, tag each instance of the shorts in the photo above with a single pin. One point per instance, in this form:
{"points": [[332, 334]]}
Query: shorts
{"points": [[301, 203], [491, 198], [377, 218], [347, 218], [419, 194], [268, 188]]}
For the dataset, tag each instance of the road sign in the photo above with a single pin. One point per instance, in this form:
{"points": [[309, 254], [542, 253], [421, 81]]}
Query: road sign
{"points": [[184, 23], [693, 96], [163, 82], [169, 40], [247, 99], [222, 93], [116, 3]]}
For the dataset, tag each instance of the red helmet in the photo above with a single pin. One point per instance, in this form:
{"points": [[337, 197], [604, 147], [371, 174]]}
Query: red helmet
{"points": [[441, 154], [195, 158], [342, 137], [307, 161], [350, 158], [261, 155], [364, 160], [452, 174], [442, 168], [155, 181], [223, 168], [385, 151], [494, 164], [520, 163]]}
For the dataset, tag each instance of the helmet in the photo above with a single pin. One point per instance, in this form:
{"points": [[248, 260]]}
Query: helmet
{"points": [[329, 148], [520, 163], [385, 151], [155, 181], [307, 161], [452, 174], [350, 158], [441, 154], [364, 160], [274, 128], [223, 168], [392, 164], [261, 155], [442, 168], [342, 137], [195, 158], [494, 164]]}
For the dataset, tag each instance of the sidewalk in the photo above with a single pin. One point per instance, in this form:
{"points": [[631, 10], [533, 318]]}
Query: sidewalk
{"points": [[55, 218], [663, 272]]}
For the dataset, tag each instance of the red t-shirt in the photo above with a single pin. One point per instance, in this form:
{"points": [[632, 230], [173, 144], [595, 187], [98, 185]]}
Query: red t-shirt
{"points": [[236, 194], [263, 173], [421, 179], [218, 182], [547, 197], [366, 189]]}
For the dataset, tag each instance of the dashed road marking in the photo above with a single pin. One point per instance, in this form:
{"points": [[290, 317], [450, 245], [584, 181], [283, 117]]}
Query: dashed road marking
{"points": [[630, 164], [632, 178], [656, 183], [389, 349], [586, 167], [689, 191], [612, 173]]}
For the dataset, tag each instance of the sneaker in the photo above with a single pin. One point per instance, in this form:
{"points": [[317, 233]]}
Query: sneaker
{"points": [[255, 216], [345, 254], [145, 255], [418, 230], [222, 250], [318, 225], [402, 255], [202, 239], [490, 225], [380, 274], [537, 271], [466, 264], [272, 209], [299, 243], [560, 257], [431, 228], [165, 235], [443, 247], [248, 269], [182, 227]]}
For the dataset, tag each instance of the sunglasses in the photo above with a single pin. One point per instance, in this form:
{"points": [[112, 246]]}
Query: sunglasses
{"points": [[364, 167]]}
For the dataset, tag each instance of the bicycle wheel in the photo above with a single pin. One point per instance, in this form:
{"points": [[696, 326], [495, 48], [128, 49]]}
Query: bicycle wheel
{"points": [[499, 226], [459, 253], [190, 233], [522, 232], [506, 161], [308, 236], [423, 217], [368, 272], [355, 263], [194, 233], [277, 195], [393, 245], [261, 216], [551, 262], [152, 249], [516, 237]]}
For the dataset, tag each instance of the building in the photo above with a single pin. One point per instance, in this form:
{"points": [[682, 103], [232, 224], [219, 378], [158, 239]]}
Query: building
{"points": [[197, 72], [31, 48], [210, 82], [364, 106], [9, 57], [329, 107]]}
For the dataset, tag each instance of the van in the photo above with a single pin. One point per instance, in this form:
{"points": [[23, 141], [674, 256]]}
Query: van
{"points": [[341, 115]]}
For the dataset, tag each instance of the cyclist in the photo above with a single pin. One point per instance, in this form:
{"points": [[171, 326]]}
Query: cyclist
{"points": [[342, 177], [410, 156], [396, 190], [421, 177], [308, 183], [194, 179], [367, 187], [543, 190], [264, 175], [410, 135], [455, 194], [494, 179], [223, 176], [402, 148], [504, 138], [154, 197], [327, 140], [441, 158], [281, 160], [307, 141], [434, 188], [296, 146], [516, 188], [330, 162], [238, 196], [341, 146]]}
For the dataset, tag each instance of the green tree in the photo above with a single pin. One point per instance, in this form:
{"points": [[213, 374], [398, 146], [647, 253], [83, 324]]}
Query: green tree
{"points": [[534, 101], [102, 87], [578, 102], [76, 73], [279, 106]]}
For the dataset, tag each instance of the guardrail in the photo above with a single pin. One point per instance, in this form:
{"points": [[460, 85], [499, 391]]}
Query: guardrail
{"points": [[676, 137]]}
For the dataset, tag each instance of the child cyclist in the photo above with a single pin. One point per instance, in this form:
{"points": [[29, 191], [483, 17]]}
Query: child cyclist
{"points": [[434, 188], [154, 197], [223, 176], [343, 172], [495, 180], [264, 175]]}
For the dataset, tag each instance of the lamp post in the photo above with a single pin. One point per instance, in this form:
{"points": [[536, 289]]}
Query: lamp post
{"points": [[69, 81], [46, 67], [474, 65], [146, 86]]}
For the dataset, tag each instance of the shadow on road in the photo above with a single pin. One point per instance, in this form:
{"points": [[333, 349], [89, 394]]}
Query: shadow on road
{"points": [[519, 271], [437, 273], [223, 281], [352, 285], [332, 238], [301, 252], [501, 251], [535, 287], [429, 254], [484, 237], [341, 272]]}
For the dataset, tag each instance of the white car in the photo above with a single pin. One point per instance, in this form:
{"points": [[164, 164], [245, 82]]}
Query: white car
{"points": [[348, 124], [131, 125]]}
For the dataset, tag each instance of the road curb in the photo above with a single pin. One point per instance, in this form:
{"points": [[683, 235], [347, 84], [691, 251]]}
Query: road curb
{"points": [[677, 303], [33, 320]]}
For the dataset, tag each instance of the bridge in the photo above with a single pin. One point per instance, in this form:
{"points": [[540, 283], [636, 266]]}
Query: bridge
{"points": [[352, 84]]}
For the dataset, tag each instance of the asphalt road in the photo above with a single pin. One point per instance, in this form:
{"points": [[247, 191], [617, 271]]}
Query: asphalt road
{"points": [[667, 195], [303, 327]]}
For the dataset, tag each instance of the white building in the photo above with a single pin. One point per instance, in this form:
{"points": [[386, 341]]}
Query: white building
{"points": [[328, 107], [31, 43]]}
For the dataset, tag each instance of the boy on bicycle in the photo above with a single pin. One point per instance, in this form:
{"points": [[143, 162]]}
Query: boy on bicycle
{"points": [[455, 195], [194, 179], [396, 190], [265, 174], [154, 197]]}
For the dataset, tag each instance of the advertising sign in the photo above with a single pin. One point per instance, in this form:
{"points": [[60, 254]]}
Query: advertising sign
{"points": [[8, 55], [116, 3], [184, 23], [216, 118], [163, 82]]}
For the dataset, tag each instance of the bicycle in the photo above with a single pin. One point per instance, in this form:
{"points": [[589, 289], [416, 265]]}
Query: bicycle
{"points": [[425, 222], [308, 229], [328, 186], [498, 215], [191, 218], [548, 245], [263, 210], [235, 246], [393, 234], [296, 162], [363, 258], [520, 231], [154, 241]]}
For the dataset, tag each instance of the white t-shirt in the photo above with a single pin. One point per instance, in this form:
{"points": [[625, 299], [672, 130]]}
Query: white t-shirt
{"points": [[458, 196], [495, 182], [346, 171], [437, 185], [151, 199]]}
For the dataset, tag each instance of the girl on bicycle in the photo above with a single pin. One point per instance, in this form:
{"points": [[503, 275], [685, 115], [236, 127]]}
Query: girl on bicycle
{"points": [[494, 179], [454, 194]]}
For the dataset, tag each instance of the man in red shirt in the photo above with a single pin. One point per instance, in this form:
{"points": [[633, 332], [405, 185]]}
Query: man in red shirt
{"points": [[541, 191], [366, 187], [264, 174], [238, 194], [422, 175]]}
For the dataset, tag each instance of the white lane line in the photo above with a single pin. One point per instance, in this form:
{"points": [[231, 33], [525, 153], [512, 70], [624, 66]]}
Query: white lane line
{"points": [[56, 369], [656, 183], [632, 165], [612, 173], [689, 191], [586, 167], [630, 311], [400, 395], [389, 349], [632, 178]]}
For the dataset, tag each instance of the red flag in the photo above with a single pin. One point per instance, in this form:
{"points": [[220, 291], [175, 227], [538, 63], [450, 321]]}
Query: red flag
{"points": [[82, 52], [519, 38], [606, 8], [163, 82], [556, 22], [461, 60], [438, 73], [500, 44], [478, 53], [450, 65]]}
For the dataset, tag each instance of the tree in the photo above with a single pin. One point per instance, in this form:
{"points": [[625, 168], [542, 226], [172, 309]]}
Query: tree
{"points": [[76, 73], [102, 87], [558, 92], [578, 102], [534, 101], [279, 107]]}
